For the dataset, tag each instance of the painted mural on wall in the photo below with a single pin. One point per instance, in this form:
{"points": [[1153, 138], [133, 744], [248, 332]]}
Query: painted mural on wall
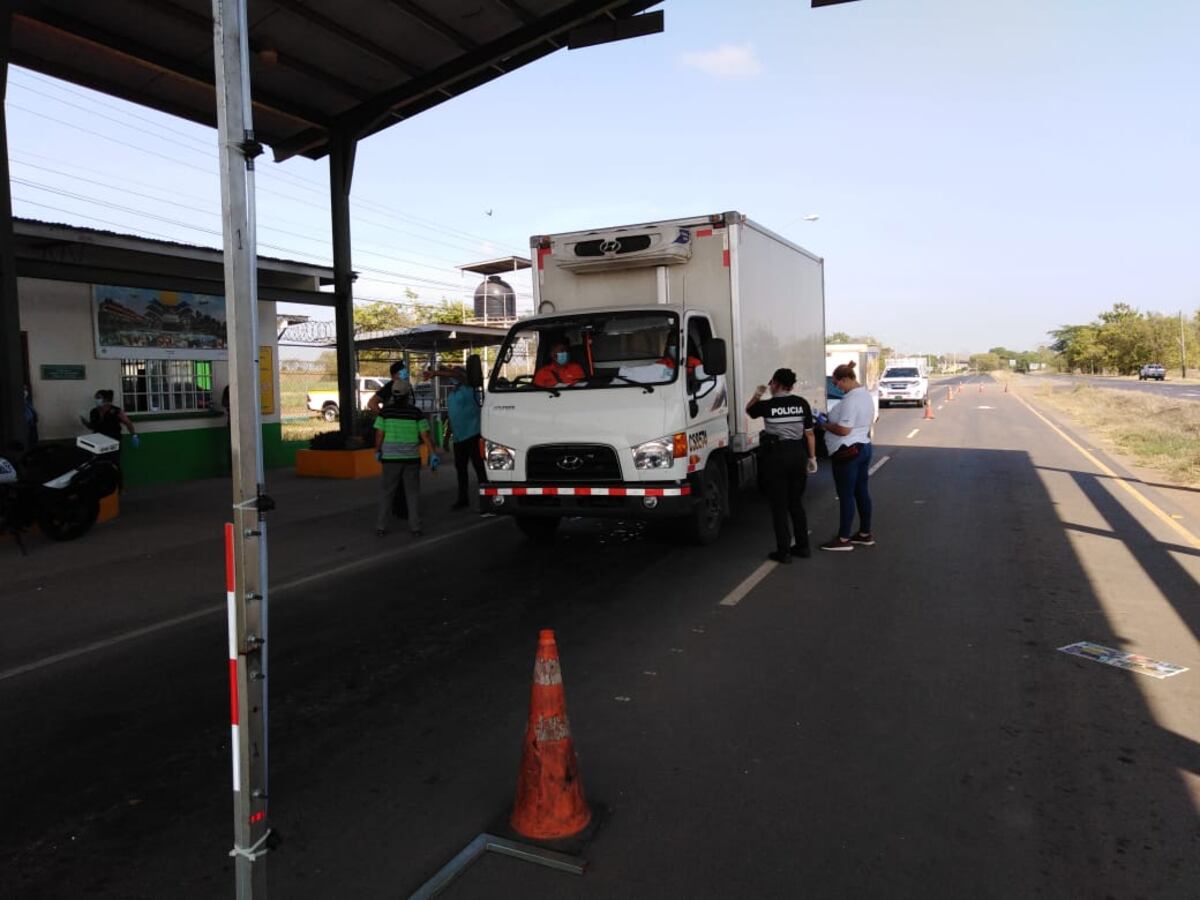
{"points": [[143, 323]]}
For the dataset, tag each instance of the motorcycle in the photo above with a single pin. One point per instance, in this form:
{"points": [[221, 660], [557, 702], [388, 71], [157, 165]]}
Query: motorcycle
{"points": [[57, 487]]}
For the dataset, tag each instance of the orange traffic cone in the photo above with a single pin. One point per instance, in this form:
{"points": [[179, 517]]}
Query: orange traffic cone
{"points": [[928, 409], [550, 801], [949, 393], [981, 387]]}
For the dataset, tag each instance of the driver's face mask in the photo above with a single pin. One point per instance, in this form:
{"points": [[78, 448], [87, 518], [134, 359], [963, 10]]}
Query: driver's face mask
{"points": [[562, 357]]}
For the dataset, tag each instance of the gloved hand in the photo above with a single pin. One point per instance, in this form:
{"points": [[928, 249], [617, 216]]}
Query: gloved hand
{"points": [[434, 462], [135, 441], [812, 467], [379, 456]]}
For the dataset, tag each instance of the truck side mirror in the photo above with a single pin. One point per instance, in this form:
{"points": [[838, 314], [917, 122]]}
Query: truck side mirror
{"points": [[714, 357], [474, 371]]}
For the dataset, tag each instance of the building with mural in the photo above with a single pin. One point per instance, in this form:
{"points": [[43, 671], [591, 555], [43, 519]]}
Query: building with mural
{"points": [[146, 320]]}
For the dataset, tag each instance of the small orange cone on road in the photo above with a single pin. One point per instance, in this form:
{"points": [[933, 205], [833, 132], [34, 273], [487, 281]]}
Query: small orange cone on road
{"points": [[981, 387], [928, 409], [550, 801], [949, 393]]}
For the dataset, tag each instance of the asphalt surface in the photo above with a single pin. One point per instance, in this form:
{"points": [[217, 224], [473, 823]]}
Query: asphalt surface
{"points": [[1172, 390], [895, 721]]}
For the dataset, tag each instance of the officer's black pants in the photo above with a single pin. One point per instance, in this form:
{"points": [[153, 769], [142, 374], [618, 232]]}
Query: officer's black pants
{"points": [[784, 480]]}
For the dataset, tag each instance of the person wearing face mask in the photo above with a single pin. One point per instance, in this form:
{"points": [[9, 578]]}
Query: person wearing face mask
{"points": [[400, 384], [559, 369], [670, 359], [462, 404], [107, 419]]}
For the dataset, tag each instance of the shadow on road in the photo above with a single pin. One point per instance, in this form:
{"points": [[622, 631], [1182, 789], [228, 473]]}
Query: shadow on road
{"points": [[890, 722]]}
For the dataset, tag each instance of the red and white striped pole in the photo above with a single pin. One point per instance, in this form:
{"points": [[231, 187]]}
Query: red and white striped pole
{"points": [[235, 745]]}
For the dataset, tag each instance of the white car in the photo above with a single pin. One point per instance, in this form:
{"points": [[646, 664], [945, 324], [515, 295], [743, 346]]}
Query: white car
{"points": [[903, 384]]}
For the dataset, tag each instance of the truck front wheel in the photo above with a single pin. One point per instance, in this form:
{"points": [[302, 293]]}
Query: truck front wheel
{"points": [[538, 528], [710, 506]]}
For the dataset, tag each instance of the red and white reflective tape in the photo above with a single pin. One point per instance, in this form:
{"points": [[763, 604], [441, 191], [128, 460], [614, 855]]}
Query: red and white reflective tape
{"points": [[231, 605], [681, 491]]}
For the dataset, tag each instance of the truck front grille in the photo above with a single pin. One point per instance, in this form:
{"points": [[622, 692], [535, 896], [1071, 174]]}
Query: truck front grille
{"points": [[572, 464]]}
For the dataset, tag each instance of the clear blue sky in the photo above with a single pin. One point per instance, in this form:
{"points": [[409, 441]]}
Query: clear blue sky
{"points": [[983, 172]]}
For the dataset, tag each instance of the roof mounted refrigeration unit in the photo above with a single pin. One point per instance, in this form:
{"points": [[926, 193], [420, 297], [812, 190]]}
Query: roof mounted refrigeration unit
{"points": [[637, 248]]}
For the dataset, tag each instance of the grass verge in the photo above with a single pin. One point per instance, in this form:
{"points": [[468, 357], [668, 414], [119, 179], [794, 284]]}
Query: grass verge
{"points": [[1160, 433]]}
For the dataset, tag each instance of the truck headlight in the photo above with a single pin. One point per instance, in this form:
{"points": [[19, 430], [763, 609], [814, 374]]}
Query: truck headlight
{"points": [[660, 453], [498, 457]]}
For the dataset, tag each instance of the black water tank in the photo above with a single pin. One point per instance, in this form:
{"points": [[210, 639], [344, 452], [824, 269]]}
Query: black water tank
{"points": [[495, 299]]}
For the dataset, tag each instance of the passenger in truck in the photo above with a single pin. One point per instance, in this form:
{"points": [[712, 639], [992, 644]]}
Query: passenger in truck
{"points": [[559, 369]]}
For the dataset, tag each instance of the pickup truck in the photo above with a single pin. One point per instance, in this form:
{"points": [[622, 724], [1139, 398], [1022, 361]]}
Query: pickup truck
{"points": [[1152, 370], [326, 402], [903, 384]]}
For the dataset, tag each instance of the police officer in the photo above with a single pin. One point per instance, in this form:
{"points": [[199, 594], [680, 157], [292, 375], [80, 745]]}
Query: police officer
{"points": [[789, 456]]}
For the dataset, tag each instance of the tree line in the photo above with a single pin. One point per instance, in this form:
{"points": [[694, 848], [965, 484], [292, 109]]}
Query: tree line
{"points": [[1123, 339]]}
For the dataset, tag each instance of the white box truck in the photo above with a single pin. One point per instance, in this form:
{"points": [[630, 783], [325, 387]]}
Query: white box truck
{"points": [[664, 330]]}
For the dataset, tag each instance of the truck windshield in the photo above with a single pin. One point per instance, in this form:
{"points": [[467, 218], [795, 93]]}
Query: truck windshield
{"points": [[589, 351], [902, 373]]}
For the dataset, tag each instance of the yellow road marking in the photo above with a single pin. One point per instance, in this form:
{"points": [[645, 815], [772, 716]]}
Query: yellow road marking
{"points": [[1137, 495]]}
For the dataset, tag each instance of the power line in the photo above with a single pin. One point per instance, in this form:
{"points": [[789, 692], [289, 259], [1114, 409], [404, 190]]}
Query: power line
{"points": [[208, 150]]}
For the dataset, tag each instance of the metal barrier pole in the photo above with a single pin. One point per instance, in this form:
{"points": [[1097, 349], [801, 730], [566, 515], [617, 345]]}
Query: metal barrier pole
{"points": [[246, 539]]}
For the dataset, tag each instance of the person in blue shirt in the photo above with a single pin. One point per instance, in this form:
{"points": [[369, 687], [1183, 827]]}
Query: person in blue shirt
{"points": [[463, 407]]}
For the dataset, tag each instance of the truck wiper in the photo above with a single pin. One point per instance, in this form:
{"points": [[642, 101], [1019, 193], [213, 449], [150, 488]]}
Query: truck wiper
{"points": [[646, 388]]}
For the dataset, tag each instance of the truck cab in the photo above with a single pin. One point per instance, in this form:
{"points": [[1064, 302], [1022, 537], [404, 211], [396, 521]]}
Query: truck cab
{"points": [[631, 438]]}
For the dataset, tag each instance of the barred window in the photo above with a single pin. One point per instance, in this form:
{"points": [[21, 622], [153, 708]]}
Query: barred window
{"points": [[166, 385]]}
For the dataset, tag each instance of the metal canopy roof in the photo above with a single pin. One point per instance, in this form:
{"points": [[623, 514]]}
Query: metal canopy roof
{"points": [[318, 69], [440, 337], [498, 266]]}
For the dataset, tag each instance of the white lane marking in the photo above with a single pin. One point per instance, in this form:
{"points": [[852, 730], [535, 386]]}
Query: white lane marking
{"points": [[878, 464], [734, 597], [209, 610], [1190, 394], [939, 406], [914, 433], [985, 407]]}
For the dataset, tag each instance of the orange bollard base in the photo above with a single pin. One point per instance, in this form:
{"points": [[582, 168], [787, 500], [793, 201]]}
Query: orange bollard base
{"points": [[928, 410]]}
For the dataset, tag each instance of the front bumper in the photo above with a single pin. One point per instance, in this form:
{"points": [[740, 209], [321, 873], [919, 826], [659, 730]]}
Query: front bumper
{"points": [[627, 501]]}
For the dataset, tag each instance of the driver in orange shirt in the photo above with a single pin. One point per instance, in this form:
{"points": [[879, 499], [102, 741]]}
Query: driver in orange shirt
{"points": [[560, 369], [670, 361]]}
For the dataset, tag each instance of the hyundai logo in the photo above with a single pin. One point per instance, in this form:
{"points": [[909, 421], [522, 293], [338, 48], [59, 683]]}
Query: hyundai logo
{"points": [[610, 246], [570, 463]]}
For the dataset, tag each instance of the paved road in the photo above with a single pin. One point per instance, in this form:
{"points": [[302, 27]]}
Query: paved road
{"points": [[889, 722], [1169, 389]]}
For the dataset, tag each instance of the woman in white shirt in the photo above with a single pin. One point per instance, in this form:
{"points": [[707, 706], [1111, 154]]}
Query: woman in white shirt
{"points": [[848, 440]]}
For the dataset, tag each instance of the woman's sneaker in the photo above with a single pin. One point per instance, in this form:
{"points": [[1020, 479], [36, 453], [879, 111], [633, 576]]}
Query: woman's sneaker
{"points": [[865, 538], [837, 543]]}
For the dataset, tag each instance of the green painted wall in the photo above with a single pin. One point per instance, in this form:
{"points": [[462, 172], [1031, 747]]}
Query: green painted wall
{"points": [[166, 456]]}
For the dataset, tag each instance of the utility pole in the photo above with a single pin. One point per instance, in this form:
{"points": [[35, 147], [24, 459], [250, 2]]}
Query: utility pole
{"points": [[1182, 346], [246, 537]]}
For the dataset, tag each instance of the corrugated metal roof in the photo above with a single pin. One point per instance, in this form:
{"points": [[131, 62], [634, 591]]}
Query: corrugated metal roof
{"points": [[318, 69]]}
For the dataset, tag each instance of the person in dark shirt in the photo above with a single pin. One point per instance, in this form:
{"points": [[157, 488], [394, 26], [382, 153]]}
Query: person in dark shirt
{"points": [[788, 455], [107, 419]]}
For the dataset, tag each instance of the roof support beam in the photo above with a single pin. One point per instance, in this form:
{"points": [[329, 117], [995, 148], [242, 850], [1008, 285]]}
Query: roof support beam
{"points": [[300, 11], [434, 24], [203, 25], [368, 117], [64, 29], [12, 373]]}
